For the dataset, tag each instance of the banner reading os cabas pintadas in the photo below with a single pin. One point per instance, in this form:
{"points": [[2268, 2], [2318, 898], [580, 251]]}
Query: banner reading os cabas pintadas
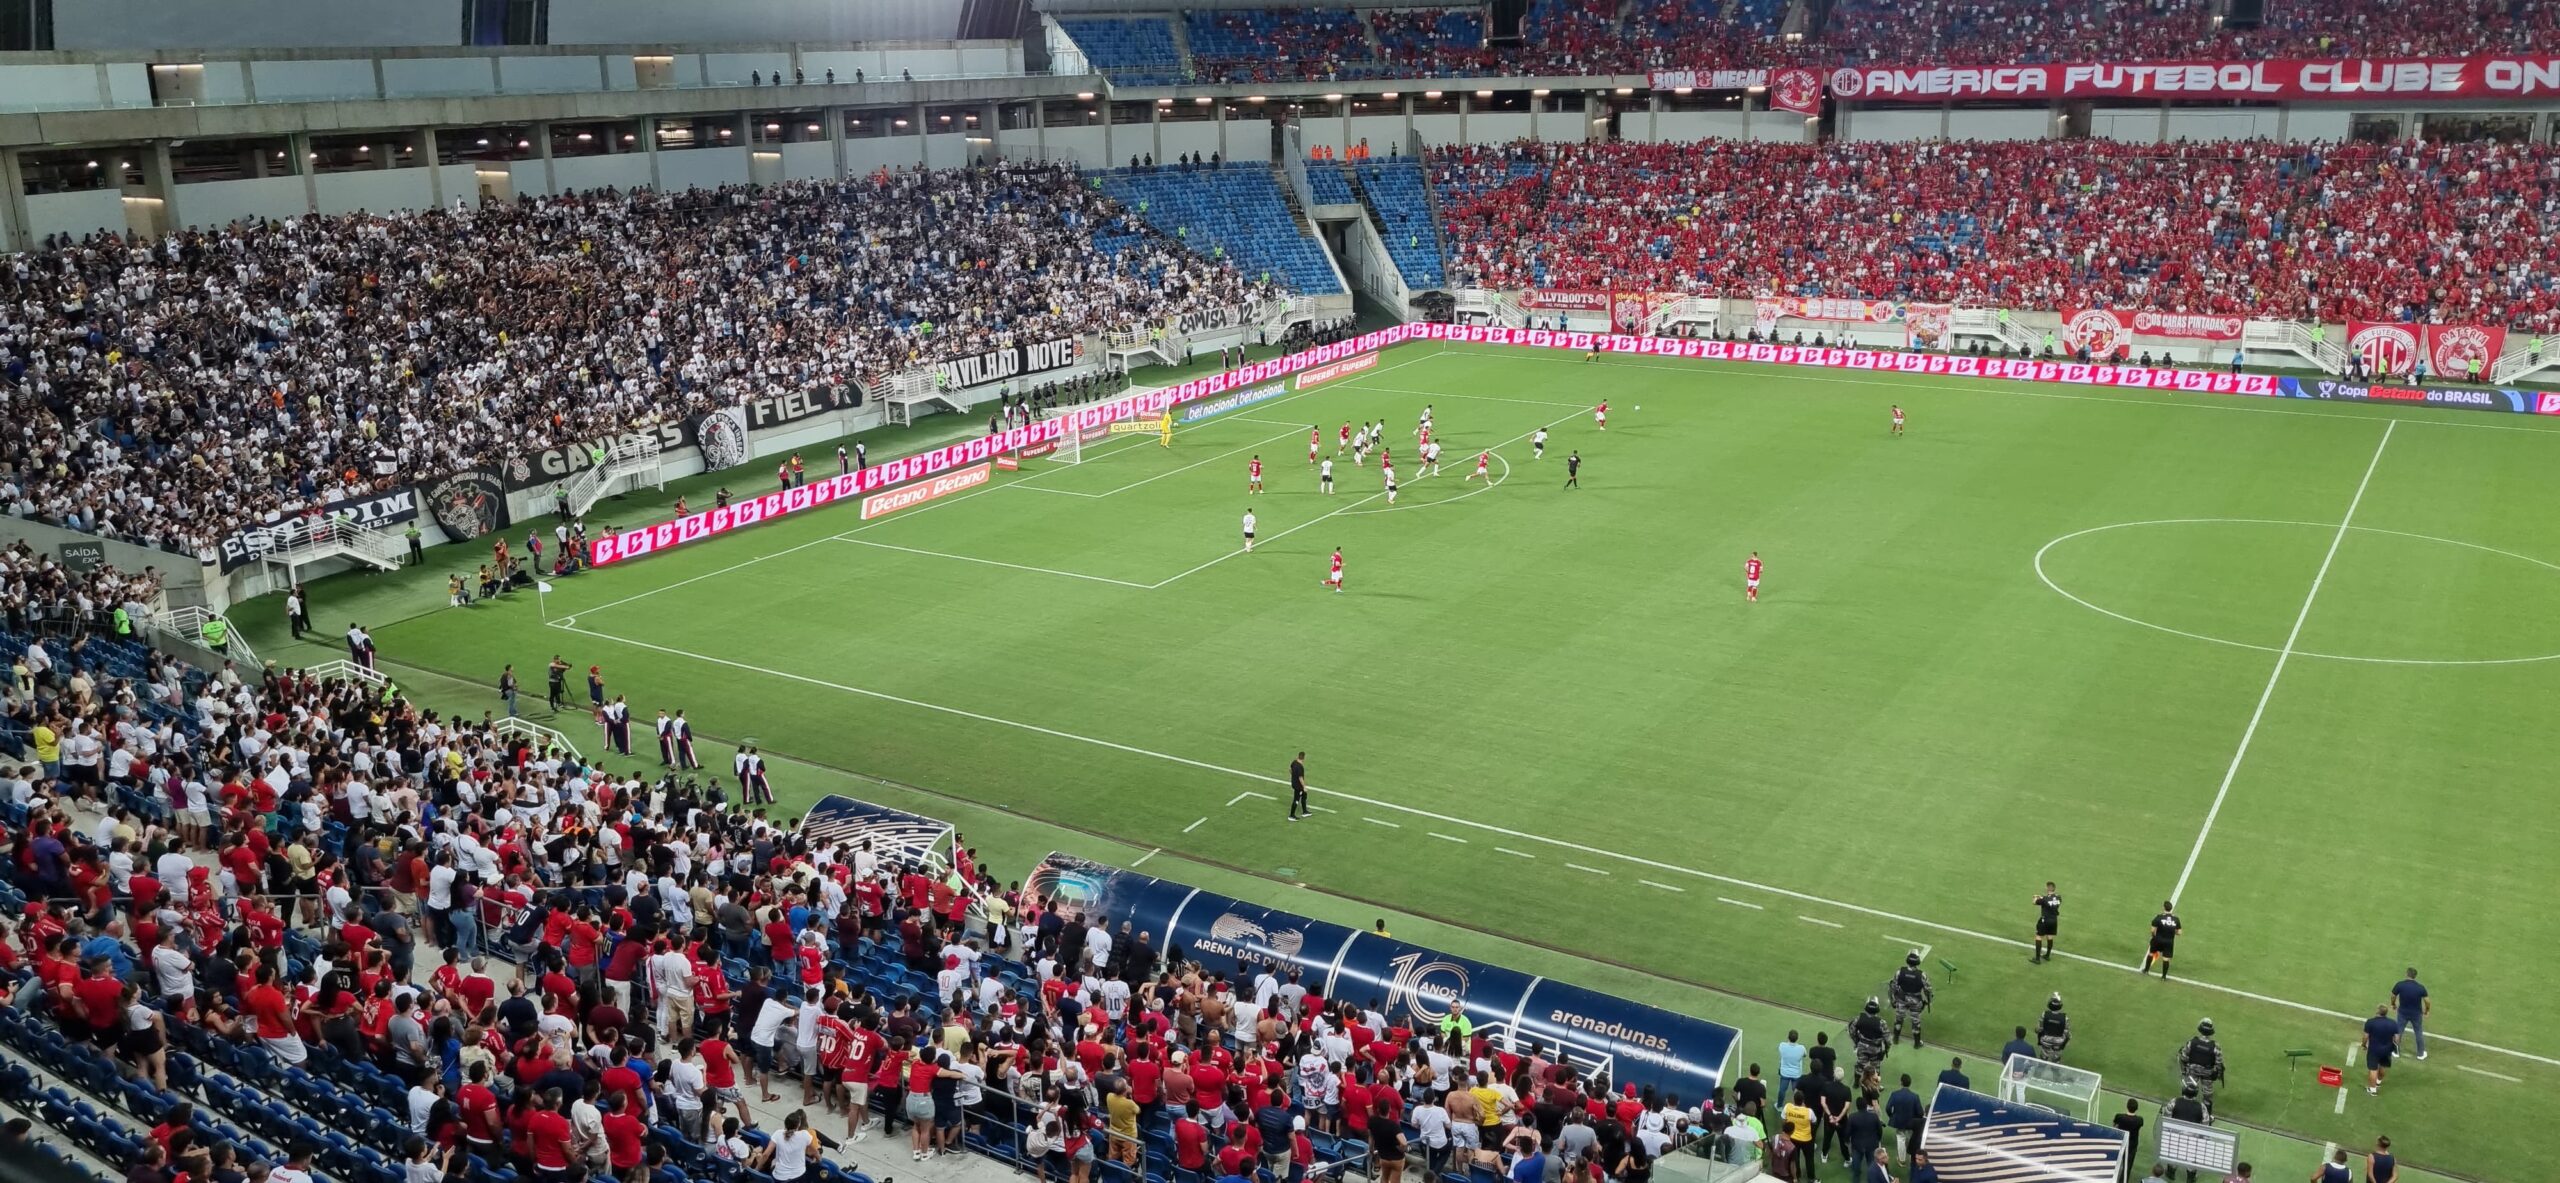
{"points": [[2284, 80]]}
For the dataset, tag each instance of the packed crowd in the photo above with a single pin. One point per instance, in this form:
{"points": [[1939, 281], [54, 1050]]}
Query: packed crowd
{"points": [[165, 392], [1279, 44], [2435, 231], [39, 595], [558, 963], [1969, 32]]}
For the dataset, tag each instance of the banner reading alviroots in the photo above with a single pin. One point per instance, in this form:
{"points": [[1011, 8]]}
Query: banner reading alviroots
{"points": [[2101, 330], [2290, 80], [1565, 301], [1636, 1045]]}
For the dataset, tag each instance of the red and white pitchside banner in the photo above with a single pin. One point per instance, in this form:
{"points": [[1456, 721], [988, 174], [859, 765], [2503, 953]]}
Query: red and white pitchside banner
{"points": [[2389, 348], [1565, 301], [2489, 77], [2103, 329], [917, 494]]}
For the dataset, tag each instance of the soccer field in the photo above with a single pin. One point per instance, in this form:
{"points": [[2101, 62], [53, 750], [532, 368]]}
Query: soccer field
{"points": [[2287, 662]]}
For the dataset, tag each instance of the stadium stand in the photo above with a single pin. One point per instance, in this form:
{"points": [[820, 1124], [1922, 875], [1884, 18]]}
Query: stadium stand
{"points": [[1278, 44], [1968, 32], [437, 376], [1433, 42], [1235, 213], [1394, 188], [1137, 51], [1329, 182], [2440, 231]]}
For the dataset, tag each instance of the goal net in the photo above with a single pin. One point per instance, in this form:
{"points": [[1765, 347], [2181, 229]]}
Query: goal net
{"points": [[2026, 1080]]}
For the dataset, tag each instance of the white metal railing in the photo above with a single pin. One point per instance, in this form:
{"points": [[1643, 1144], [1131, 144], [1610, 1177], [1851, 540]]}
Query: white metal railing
{"points": [[187, 624], [1685, 310], [309, 540], [639, 459], [537, 734], [2290, 336], [345, 670], [2521, 362]]}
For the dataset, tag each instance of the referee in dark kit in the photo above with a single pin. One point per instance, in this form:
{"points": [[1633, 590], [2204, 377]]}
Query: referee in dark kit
{"points": [[1298, 807]]}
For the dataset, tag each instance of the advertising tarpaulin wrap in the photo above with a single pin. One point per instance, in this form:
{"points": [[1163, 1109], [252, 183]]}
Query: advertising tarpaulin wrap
{"points": [[2387, 348], [930, 489], [2452, 348], [1029, 439], [1925, 326], [469, 504], [893, 834], [389, 508], [2518, 401], [1012, 361], [1636, 1044], [2521, 76], [2102, 329]]}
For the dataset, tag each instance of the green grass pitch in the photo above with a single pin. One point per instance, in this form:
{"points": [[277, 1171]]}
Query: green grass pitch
{"points": [[2289, 660]]}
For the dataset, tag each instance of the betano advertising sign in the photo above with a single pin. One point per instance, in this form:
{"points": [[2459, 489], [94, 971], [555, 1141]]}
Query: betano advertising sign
{"points": [[1636, 1044]]}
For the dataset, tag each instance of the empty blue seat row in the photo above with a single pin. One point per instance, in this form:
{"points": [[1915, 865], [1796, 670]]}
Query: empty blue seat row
{"points": [[1236, 212]]}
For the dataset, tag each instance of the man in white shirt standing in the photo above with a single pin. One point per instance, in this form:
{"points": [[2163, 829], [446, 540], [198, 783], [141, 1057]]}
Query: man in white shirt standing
{"points": [[671, 977]]}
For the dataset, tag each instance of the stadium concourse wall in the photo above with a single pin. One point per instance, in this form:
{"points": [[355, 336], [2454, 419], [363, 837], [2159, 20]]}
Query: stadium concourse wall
{"points": [[1312, 366]]}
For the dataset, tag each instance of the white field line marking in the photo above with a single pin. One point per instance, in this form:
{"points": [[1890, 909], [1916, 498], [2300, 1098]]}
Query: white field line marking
{"points": [[1513, 853], [1313, 806], [1518, 835], [1446, 837], [2227, 402], [1141, 860], [1726, 899], [1485, 398], [1487, 487], [1026, 486], [1580, 867], [1249, 793], [1336, 513], [2282, 657], [1272, 422], [779, 553], [2485, 1072], [1923, 948], [1388, 824], [1195, 464], [1820, 921], [1663, 886], [996, 563], [2347, 1077], [1195, 825]]}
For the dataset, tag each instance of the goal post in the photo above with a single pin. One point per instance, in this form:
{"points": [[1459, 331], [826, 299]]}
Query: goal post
{"points": [[2046, 1084]]}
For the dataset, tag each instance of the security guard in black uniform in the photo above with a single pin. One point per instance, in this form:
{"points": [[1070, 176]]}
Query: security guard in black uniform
{"points": [[2053, 1032], [1867, 1037], [1911, 994], [2200, 1066]]}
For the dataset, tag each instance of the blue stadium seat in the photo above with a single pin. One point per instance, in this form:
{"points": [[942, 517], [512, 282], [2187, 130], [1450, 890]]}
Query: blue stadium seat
{"points": [[1237, 210]]}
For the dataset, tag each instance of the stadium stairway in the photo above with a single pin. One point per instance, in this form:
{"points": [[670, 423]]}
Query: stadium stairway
{"points": [[1393, 193], [1239, 211]]}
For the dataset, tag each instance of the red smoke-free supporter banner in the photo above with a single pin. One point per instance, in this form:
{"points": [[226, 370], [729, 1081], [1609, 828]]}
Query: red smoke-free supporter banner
{"points": [[2291, 80], [1925, 326], [1797, 89], [2452, 348], [2103, 329], [2386, 348]]}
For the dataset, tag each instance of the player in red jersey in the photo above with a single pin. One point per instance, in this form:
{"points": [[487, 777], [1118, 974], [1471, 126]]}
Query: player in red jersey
{"points": [[1253, 476], [1315, 436], [1751, 577], [1897, 419], [1334, 580], [1600, 415], [1344, 444], [1482, 459], [1386, 456], [1422, 436]]}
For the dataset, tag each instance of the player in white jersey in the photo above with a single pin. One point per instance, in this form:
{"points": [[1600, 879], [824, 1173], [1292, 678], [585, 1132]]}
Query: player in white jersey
{"points": [[1389, 472], [1538, 445], [1431, 456], [1248, 531], [1324, 477]]}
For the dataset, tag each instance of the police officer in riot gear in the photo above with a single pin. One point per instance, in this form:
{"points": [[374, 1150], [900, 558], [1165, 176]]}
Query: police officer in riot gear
{"points": [[1867, 1037], [2200, 1066], [1911, 994], [2053, 1031]]}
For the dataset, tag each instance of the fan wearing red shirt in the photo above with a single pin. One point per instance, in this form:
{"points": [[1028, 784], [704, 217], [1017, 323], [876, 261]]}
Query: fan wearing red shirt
{"points": [[622, 1138], [479, 1108], [1145, 1075], [547, 1136], [1355, 1105], [1190, 1140]]}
